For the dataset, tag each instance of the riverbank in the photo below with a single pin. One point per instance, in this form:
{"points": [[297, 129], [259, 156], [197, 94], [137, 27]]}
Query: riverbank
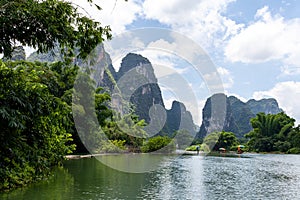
{"points": [[177, 152]]}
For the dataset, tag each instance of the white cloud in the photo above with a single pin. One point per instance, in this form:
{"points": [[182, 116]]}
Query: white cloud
{"points": [[29, 50], [287, 94], [270, 37], [201, 20], [212, 79], [243, 99], [115, 13], [226, 77]]}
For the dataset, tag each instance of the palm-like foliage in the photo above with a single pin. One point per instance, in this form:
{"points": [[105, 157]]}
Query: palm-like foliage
{"points": [[270, 131]]}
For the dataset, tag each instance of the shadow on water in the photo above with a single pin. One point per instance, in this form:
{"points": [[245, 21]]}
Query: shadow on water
{"points": [[88, 178], [58, 186]]}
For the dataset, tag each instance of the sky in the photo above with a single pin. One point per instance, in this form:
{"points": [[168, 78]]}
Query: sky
{"points": [[252, 47]]}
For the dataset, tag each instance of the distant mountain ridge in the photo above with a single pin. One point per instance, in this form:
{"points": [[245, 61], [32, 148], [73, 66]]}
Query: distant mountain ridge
{"points": [[236, 115]]}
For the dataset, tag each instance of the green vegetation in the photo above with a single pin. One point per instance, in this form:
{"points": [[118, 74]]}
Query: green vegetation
{"points": [[274, 132], [193, 148], [35, 122], [37, 126], [271, 133], [41, 24], [159, 144], [183, 138], [38, 111], [112, 146], [217, 140]]}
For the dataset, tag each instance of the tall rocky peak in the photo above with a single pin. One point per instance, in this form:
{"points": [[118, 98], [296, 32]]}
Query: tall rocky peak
{"points": [[99, 63], [103, 72], [136, 74], [237, 114], [179, 118], [135, 63], [139, 75], [214, 114], [131, 61]]}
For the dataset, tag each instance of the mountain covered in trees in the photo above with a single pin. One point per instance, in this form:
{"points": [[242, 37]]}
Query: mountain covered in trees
{"points": [[223, 113]]}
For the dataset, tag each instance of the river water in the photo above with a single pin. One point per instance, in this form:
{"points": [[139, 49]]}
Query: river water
{"points": [[253, 176]]}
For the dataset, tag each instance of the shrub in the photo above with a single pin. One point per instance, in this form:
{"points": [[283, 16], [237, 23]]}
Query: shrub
{"points": [[192, 148], [160, 144], [295, 150], [112, 146]]}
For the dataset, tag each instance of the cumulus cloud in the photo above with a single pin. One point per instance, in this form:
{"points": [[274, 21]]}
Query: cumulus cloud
{"points": [[243, 99], [270, 37], [117, 14], [201, 20], [226, 77], [287, 94], [213, 79]]}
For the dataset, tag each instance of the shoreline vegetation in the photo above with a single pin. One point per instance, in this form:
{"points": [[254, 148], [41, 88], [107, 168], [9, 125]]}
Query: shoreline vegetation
{"points": [[37, 129], [177, 152], [180, 152]]}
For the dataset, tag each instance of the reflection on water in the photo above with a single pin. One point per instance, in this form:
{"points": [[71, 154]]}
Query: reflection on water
{"points": [[59, 187], [186, 177]]}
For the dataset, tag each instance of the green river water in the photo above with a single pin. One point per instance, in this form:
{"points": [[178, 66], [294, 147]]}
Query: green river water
{"points": [[253, 176]]}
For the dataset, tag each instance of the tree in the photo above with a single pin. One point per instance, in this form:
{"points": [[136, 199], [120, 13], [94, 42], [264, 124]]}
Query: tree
{"points": [[35, 98], [41, 24], [222, 139], [226, 140], [211, 140], [294, 140], [34, 124], [159, 144], [270, 132], [183, 138], [128, 128]]}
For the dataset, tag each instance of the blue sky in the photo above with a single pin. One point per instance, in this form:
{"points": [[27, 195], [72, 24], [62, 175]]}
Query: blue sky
{"points": [[253, 44]]}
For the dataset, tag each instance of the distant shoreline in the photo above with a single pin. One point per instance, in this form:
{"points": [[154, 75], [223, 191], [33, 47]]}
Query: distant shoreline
{"points": [[177, 152]]}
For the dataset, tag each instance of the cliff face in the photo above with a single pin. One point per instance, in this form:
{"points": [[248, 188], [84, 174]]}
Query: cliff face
{"points": [[237, 114], [137, 83], [269, 106], [102, 70], [178, 118]]}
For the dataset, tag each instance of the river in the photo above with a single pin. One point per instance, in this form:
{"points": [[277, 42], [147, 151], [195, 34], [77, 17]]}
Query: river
{"points": [[252, 176]]}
